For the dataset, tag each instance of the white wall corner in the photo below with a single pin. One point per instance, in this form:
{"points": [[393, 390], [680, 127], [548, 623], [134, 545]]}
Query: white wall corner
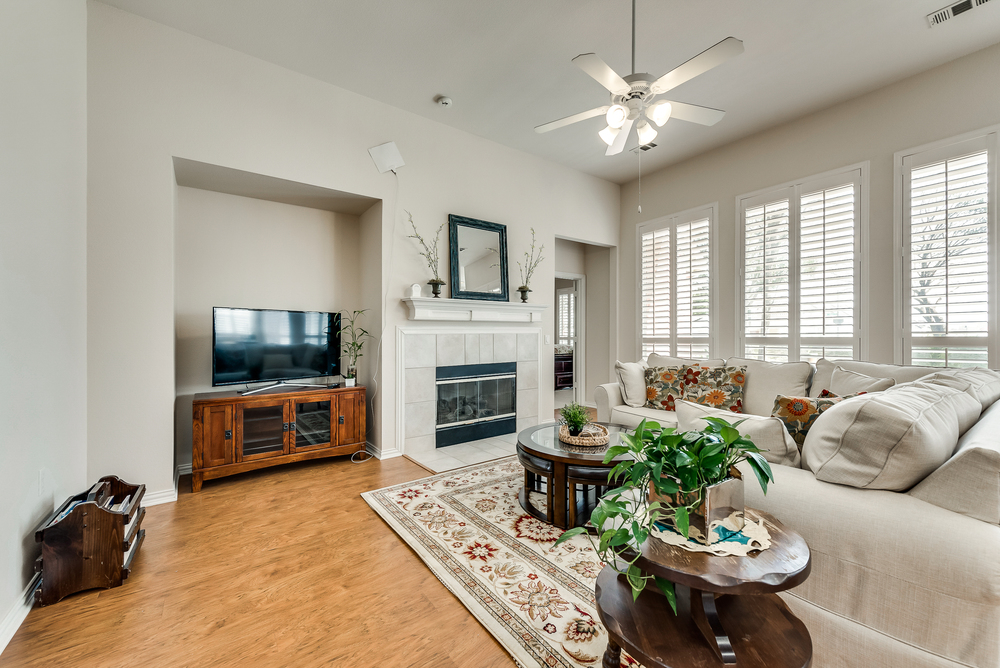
{"points": [[15, 616], [380, 453]]}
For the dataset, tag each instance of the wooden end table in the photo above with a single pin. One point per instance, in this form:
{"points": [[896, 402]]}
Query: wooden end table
{"points": [[728, 611], [565, 465]]}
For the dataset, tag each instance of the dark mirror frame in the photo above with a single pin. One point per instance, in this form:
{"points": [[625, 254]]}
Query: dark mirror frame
{"points": [[453, 224]]}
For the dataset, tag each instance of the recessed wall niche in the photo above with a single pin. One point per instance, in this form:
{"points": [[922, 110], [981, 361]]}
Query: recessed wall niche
{"points": [[248, 240]]}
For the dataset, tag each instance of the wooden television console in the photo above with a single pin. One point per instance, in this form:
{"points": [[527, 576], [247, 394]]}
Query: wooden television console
{"points": [[233, 433]]}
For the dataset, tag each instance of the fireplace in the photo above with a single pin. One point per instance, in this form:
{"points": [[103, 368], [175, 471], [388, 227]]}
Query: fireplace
{"points": [[475, 401]]}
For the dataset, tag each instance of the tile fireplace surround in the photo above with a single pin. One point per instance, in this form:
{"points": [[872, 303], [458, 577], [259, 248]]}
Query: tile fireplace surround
{"points": [[423, 350]]}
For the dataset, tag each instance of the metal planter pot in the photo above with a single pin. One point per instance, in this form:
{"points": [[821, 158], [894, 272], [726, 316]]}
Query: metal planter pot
{"points": [[722, 507]]}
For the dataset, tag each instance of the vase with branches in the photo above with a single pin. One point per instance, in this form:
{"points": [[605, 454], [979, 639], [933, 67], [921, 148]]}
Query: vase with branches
{"points": [[430, 254], [353, 341], [532, 258]]}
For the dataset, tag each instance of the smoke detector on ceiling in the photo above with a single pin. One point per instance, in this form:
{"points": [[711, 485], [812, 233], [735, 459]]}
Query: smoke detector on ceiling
{"points": [[953, 10], [443, 100]]}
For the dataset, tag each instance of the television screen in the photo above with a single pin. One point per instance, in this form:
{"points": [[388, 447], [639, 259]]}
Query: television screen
{"points": [[258, 345]]}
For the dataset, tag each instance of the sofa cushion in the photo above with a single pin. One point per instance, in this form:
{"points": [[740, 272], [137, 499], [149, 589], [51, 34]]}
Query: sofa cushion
{"points": [[767, 433], [983, 384], [909, 570], [845, 382], [662, 360], [766, 380], [629, 416], [969, 482], [716, 386], [798, 414], [632, 378], [899, 373], [665, 386], [887, 440], [966, 418]]}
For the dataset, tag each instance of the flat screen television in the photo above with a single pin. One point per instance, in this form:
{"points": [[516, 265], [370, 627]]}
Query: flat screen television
{"points": [[260, 345]]}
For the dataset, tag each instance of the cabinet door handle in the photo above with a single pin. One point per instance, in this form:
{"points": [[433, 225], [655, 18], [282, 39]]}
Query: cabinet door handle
{"points": [[341, 419], [229, 434], [284, 426], [291, 426]]}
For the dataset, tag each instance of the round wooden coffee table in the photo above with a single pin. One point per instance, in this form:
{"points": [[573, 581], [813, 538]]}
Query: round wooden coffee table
{"points": [[563, 466], [728, 611]]}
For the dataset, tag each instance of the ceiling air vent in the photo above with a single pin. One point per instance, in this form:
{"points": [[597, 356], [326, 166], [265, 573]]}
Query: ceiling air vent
{"points": [[953, 10]]}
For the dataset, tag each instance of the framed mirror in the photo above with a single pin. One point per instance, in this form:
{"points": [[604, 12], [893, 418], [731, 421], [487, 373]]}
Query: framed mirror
{"points": [[478, 259]]}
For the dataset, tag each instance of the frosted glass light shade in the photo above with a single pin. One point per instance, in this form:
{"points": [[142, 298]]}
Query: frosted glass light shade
{"points": [[608, 134], [645, 132], [659, 113], [616, 116]]}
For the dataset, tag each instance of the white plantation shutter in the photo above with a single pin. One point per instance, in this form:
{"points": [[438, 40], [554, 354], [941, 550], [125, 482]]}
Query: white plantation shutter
{"points": [[566, 317], [801, 268], [675, 284], [950, 305]]}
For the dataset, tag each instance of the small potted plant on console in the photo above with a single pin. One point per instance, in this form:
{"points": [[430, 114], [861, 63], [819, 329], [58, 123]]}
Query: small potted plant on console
{"points": [[354, 340]]}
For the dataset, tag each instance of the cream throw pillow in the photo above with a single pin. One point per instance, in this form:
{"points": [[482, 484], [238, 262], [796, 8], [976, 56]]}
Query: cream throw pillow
{"points": [[767, 433], [844, 382], [632, 379], [663, 360], [766, 380], [888, 440]]}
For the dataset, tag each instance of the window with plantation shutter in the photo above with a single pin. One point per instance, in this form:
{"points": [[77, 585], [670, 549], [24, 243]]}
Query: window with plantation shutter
{"points": [[675, 284], [800, 269], [566, 316], [948, 216]]}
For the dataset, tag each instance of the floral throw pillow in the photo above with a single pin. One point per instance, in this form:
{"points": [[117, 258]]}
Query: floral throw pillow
{"points": [[716, 386], [665, 386], [799, 413]]}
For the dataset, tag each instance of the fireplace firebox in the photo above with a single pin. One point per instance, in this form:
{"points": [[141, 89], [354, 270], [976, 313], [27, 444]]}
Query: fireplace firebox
{"points": [[475, 401]]}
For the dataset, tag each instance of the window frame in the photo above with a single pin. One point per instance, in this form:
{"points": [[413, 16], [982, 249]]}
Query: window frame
{"points": [[858, 173], [919, 156], [710, 211]]}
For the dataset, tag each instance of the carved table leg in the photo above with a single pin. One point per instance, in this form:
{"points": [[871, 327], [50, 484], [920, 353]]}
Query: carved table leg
{"points": [[706, 618], [612, 656]]}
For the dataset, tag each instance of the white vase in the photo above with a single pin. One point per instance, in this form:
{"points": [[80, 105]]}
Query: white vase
{"points": [[350, 382]]}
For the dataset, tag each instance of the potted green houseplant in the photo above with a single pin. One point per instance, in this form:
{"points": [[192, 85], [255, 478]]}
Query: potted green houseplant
{"points": [[575, 416], [353, 341], [668, 480]]}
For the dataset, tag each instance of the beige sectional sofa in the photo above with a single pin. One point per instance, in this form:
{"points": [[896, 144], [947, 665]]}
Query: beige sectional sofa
{"points": [[905, 537]]}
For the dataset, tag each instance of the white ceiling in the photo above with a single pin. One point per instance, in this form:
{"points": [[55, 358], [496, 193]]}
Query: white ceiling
{"points": [[507, 64]]}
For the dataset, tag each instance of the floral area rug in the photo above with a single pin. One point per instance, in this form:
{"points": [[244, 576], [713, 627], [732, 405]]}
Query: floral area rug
{"points": [[470, 530]]}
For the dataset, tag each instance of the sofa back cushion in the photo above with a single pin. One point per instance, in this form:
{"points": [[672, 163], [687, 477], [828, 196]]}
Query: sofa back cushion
{"points": [[766, 380], [969, 482], [767, 433], [632, 379], [663, 360], [844, 382], [982, 384], [887, 440], [901, 374]]}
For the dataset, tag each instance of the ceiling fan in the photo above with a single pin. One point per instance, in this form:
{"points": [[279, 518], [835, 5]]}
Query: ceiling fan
{"points": [[632, 97]]}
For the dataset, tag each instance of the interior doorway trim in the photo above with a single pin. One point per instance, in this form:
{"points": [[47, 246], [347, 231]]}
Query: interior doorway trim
{"points": [[580, 353]]}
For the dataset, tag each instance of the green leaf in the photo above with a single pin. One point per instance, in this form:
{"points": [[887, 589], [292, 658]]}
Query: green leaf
{"points": [[666, 486], [681, 520], [635, 579], [761, 469], [667, 587], [729, 434], [566, 535], [621, 537]]}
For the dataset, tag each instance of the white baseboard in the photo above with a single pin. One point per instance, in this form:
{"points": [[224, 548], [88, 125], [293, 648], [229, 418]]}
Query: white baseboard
{"points": [[15, 616], [381, 453], [163, 496]]}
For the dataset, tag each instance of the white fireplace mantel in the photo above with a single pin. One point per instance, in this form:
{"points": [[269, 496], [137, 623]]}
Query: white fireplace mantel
{"points": [[472, 310]]}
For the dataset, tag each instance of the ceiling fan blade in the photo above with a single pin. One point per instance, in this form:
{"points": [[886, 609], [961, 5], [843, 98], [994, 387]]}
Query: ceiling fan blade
{"points": [[592, 64], [693, 113], [569, 120], [703, 62], [618, 145]]}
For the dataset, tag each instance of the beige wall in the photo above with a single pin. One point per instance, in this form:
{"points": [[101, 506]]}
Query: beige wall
{"points": [[569, 257], [43, 299], [949, 100], [250, 253], [155, 93], [600, 350]]}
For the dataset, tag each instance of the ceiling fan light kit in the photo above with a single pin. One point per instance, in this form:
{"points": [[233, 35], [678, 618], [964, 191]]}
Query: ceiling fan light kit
{"points": [[632, 96]]}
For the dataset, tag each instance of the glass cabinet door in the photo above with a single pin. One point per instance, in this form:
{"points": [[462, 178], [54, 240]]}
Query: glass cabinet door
{"points": [[263, 430], [313, 420]]}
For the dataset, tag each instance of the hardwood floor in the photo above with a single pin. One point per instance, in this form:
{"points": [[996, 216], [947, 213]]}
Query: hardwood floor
{"points": [[281, 567]]}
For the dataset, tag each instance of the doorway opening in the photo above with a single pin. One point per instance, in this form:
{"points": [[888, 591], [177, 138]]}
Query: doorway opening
{"points": [[570, 301]]}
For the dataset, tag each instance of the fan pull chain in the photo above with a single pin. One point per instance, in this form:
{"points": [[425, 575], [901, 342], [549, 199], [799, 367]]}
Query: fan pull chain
{"points": [[639, 153]]}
